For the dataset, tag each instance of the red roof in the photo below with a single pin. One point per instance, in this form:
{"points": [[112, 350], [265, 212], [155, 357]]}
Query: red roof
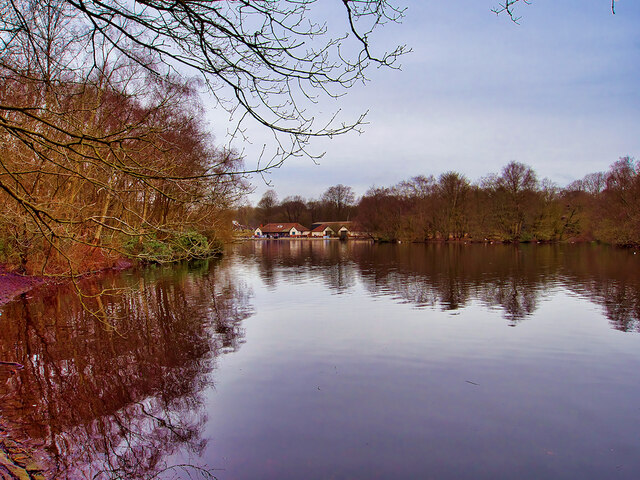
{"points": [[282, 227], [322, 227]]}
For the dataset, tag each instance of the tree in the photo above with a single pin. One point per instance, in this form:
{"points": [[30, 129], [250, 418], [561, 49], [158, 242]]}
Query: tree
{"points": [[513, 192], [314, 207], [594, 183], [99, 115], [109, 174], [267, 205], [338, 199], [417, 187], [517, 178], [263, 61], [294, 208], [419, 195], [619, 205], [381, 212], [452, 190]]}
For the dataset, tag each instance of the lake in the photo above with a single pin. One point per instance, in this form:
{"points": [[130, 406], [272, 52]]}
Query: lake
{"points": [[334, 360]]}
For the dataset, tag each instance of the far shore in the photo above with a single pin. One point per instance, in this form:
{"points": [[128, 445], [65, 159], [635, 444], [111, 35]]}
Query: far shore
{"points": [[14, 284], [309, 238]]}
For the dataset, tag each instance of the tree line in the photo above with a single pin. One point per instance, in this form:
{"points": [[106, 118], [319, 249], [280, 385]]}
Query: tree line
{"points": [[103, 173], [510, 206], [337, 203]]}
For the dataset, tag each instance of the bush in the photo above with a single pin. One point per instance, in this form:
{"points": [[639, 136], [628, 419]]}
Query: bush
{"points": [[148, 249], [180, 246], [192, 245]]}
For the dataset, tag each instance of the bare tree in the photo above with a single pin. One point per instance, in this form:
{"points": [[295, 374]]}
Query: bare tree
{"points": [[294, 207], [512, 191], [268, 204], [265, 62], [104, 168], [338, 198], [594, 183], [99, 118], [452, 191]]}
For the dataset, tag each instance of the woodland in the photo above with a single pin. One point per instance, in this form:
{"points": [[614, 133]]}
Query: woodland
{"points": [[510, 206], [104, 153]]}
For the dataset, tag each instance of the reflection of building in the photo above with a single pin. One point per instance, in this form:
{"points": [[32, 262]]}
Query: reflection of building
{"points": [[281, 230]]}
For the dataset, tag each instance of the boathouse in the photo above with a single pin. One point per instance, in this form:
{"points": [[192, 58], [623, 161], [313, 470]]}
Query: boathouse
{"points": [[277, 230]]}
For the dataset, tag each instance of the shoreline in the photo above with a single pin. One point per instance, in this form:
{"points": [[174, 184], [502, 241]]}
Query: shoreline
{"points": [[301, 238], [12, 284], [19, 457]]}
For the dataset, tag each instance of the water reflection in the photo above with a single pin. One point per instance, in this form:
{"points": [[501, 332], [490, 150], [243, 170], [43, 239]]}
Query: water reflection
{"points": [[114, 387], [609, 277], [451, 276], [110, 388], [293, 259]]}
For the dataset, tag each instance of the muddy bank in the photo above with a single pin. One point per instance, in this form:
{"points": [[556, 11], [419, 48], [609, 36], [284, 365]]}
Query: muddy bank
{"points": [[13, 284]]}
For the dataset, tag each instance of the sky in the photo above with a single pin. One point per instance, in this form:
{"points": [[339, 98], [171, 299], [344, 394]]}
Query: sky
{"points": [[559, 92]]}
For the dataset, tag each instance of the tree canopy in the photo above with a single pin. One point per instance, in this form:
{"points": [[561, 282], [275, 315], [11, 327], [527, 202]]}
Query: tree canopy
{"points": [[262, 60], [100, 120]]}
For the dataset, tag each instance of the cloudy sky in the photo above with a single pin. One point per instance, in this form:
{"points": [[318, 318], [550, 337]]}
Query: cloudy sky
{"points": [[559, 92]]}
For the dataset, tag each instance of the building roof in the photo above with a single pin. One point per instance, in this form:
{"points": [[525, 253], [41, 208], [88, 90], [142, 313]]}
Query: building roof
{"points": [[344, 223], [282, 227], [322, 227]]}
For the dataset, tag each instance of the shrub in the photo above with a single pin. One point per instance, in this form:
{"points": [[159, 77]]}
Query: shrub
{"points": [[180, 246]]}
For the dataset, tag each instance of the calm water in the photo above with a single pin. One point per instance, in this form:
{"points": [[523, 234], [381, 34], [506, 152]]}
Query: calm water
{"points": [[330, 360]]}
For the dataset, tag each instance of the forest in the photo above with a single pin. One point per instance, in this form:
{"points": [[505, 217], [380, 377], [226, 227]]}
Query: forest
{"points": [[101, 175], [104, 151], [510, 206]]}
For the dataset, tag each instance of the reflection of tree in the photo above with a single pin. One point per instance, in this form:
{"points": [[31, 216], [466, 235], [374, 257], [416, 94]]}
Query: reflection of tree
{"points": [[290, 260], [609, 277], [450, 276], [517, 298], [115, 401], [340, 277], [622, 305]]}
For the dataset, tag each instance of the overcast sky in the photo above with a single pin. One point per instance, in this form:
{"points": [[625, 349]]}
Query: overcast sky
{"points": [[559, 92]]}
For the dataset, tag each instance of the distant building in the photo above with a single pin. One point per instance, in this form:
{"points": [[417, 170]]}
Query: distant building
{"points": [[322, 230], [343, 229], [281, 230], [353, 229]]}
